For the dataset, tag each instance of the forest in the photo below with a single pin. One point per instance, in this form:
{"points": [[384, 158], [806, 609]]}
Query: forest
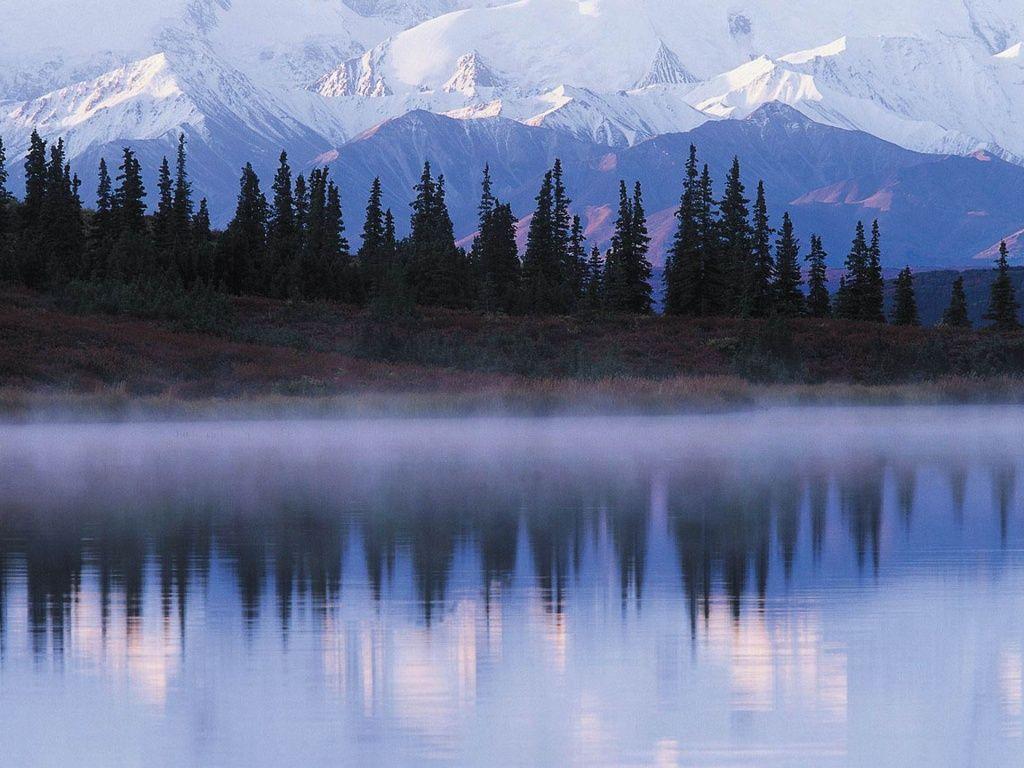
{"points": [[726, 259]]}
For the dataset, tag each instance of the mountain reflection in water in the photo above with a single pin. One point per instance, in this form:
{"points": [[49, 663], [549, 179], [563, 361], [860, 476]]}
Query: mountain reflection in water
{"points": [[783, 588]]}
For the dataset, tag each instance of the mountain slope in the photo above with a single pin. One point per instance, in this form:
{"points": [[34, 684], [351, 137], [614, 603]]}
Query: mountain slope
{"points": [[934, 210]]}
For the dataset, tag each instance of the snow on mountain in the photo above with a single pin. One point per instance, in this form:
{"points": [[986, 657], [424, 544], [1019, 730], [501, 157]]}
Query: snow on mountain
{"points": [[249, 77], [933, 210], [927, 95]]}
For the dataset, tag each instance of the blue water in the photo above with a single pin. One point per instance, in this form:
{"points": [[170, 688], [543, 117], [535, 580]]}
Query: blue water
{"points": [[816, 587]]}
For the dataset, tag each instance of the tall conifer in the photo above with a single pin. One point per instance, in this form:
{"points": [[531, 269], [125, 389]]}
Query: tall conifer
{"points": [[818, 299], [956, 315], [789, 299], [1003, 309], [757, 299], [736, 238], [684, 264], [905, 304]]}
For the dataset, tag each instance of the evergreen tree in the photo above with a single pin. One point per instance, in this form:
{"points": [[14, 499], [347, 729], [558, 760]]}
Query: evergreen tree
{"points": [[241, 254], [874, 299], [343, 283], [905, 307], [563, 222], [182, 203], [541, 263], [183, 249], [201, 230], [103, 228], [854, 295], [301, 212], [313, 275], [1003, 309], [438, 271], [282, 236], [684, 265], [789, 299], [35, 186], [736, 239], [163, 218], [576, 263], [61, 236], [757, 300], [627, 271], [130, 197], [818, 300], [487, 201], [593, 297], [714, 294], [955, 315], [204, 249], [374, 253], [498, 260]]}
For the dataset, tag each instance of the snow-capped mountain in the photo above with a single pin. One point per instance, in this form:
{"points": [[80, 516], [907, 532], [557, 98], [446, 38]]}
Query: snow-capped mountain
{"points": [[246, 78]]}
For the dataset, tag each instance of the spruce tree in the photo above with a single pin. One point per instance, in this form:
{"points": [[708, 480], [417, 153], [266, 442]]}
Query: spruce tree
{"points": [[313, 277], [684, 265], [955, 315], [282, 235], [541, 263], [789, 299], [60, 238], [103, 228], [204, 249], [616, 287], [487, 201], [905, 305], [373, 256], [163, 217], [35, 186], [498, 261], [183, 250], [1003, 309], [438, 272], [593, 298], [182, 203], [640, 266], [241, 254], [854, 296], [563, 222], [818, 300], [736, 239], [576, 265], [757, 300], [714, 292], [343, 283], [627, 271], [130, 197], [874, 295]]}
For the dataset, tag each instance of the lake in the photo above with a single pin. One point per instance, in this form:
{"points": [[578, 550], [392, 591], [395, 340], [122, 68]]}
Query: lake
{"points": [[788, 587]]}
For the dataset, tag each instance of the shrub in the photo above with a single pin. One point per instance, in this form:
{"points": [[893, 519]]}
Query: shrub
{"points": [[200, 308]]}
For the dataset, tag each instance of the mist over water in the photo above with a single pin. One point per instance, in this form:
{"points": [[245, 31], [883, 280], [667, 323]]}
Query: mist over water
{"points": [[792, 587]]}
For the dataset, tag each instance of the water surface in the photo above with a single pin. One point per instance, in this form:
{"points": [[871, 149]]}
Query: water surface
{"points": [[784, 588]]}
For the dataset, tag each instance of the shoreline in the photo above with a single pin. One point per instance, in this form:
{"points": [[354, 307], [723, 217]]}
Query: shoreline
{"points": [[533, 399]]}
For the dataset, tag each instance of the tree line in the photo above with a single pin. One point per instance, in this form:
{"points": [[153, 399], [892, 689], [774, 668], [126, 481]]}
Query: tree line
{"points": [[725, 258]]}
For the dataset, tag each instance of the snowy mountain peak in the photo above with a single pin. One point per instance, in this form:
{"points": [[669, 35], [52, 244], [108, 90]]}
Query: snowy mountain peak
{"points": [[666, 69], [360, 76], [471, 74]]}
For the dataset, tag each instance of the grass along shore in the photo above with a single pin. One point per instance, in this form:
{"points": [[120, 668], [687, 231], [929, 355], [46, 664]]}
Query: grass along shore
{"points": [[62, 360]]}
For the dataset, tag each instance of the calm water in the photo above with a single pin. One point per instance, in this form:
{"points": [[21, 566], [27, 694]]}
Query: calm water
{"points": [[789, 588]]}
